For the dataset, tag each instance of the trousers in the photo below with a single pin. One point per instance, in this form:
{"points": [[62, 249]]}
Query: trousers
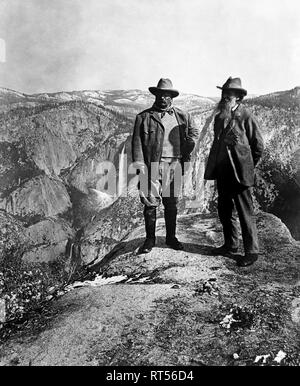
{"points": [[231, 196], [163, 185]]}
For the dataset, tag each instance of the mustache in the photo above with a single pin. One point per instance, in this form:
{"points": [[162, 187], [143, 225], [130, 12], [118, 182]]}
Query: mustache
{"points": [[224, 104]]}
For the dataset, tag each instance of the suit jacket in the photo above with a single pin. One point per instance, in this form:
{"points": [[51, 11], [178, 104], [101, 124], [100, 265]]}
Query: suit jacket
{"points": [[244, 145], [148, 136]]}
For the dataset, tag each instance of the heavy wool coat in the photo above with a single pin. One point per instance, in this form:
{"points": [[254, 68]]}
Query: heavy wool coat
{"points": [[244, 145], [148, 136]]}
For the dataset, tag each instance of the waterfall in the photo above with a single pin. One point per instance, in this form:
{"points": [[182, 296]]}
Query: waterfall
{"points": [[2, 312], [71, 251], [122, 185]]}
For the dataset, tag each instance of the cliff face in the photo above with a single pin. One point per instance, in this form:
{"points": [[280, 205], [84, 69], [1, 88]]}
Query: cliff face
{"points": [[47, 145], [54, 136], [278, 182], [38, 198], [47, 239]]}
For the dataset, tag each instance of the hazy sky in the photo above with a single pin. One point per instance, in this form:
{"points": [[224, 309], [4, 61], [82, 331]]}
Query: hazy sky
{"points": [[55, 45]]}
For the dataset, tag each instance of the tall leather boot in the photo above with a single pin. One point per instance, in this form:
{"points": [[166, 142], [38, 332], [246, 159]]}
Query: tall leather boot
{"points": [[170, 220], [150, 223]]}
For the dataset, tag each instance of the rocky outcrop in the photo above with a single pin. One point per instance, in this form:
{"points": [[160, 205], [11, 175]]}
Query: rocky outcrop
{"points": [[44, 241], [13, 237], [33, 263], [184, 308], [109, 227], [47, 240]]}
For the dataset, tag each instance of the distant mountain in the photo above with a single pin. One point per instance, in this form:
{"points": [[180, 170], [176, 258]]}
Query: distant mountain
{"points": [[10, 99], [249, 96], [282, 99], [129, 101]]}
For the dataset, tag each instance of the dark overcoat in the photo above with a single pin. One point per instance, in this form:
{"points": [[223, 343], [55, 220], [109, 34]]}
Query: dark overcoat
{"points": [[148, 136], [244, 146]]}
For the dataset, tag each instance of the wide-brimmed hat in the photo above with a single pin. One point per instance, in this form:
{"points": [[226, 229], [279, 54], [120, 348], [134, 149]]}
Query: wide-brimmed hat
{"points": [[233, 84], [164, 85]]}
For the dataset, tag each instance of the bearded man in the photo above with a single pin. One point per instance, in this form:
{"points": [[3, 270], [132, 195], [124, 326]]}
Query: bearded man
{"points": [[163, 140], [236, 150]]}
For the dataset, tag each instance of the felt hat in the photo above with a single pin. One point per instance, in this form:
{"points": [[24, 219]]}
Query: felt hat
{"points": [[164, 85], [233, 84]]}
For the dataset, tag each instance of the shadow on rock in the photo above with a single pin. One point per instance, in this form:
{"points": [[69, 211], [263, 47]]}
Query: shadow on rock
{"points": [[122, 248], [132, 246]]}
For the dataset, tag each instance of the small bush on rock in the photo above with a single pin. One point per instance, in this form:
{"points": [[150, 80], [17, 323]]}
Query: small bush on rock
{"points": [[24, 286]]}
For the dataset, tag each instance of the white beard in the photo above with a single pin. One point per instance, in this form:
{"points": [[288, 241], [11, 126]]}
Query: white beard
{"points": [[225, 108]]}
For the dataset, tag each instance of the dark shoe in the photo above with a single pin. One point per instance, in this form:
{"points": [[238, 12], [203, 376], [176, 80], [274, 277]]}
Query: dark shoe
{"points": [[224, 251], [147, 246], [247, 260], [174, 243]]}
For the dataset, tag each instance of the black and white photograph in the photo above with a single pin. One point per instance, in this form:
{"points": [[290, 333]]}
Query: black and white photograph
{"points": [[150, 186]]}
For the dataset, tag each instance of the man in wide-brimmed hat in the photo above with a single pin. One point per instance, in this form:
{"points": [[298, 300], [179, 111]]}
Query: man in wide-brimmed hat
{"points": [[163, 139], [236, 150]]}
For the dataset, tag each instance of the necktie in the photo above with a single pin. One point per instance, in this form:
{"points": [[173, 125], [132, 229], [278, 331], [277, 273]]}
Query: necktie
{"points": [[163, 113]]}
